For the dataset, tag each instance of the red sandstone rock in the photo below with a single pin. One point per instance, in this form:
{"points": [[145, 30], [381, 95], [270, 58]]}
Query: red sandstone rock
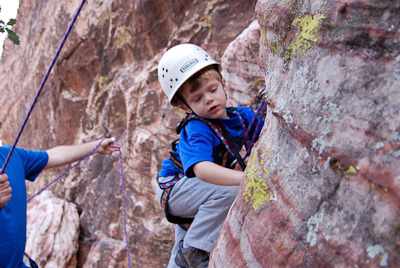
{"points": [[52, 231], [105, 84], [322, 188]]}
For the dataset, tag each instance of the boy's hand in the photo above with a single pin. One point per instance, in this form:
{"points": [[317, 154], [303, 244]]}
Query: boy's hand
{"points": [[107, 146], [5, 190]]}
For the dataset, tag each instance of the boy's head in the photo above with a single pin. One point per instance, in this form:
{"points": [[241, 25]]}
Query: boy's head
{"points": [[187, 74]]}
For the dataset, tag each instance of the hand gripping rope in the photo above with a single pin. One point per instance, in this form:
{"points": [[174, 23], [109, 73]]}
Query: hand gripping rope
{"points": [[30, 111]]}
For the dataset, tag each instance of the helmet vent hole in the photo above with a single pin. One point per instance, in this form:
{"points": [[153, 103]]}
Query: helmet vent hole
{"points": [[166, 70], [176, 79], [170, 86]]}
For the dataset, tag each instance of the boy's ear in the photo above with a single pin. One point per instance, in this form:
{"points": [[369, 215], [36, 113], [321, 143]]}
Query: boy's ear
{"points": [[185, 108], [223, 82]]}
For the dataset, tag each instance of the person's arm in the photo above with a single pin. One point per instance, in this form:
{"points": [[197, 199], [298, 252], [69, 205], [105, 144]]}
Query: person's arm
{"points": [[216, 174], [5, 190], [67, 154]]}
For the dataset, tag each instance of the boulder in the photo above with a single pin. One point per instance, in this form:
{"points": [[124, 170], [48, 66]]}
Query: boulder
{"points": [[52, 231]]}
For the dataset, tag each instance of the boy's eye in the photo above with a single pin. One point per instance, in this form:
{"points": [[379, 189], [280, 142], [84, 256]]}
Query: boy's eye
{"points": [[196, 99], [213, 89]]}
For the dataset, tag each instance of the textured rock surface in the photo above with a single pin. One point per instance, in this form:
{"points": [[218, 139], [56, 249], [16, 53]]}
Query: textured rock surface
{"points": [[323, 186], [52, 231], [105, 84]]}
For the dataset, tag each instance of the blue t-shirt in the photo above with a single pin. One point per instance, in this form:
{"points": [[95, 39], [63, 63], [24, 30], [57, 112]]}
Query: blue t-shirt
{"points": [[23, 164], [197, 142]]}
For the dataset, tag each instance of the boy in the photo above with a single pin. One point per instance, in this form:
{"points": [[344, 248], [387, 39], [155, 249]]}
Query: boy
{"points": [[208, 184], [26, 165]]}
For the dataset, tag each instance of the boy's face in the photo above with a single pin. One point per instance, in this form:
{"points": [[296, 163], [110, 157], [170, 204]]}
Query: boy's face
{"points": [[207, 101]]}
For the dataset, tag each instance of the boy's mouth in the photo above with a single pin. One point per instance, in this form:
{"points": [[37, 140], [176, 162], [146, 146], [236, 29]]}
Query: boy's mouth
{"points": [[213, 108]]}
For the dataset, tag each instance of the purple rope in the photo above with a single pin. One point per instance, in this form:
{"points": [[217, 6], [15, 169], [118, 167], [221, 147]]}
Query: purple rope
{"points": [[251, 125], [66, 171], [123, 191], [260, 111], [42, 84], [263, 106], [124, 206]]}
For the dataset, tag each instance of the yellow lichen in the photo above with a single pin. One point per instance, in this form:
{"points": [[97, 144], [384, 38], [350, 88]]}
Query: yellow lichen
{"points": [[123, 37], [256, 190], [373, 186], [307, 36], [102, 80], [351, 170], [263, 36]]}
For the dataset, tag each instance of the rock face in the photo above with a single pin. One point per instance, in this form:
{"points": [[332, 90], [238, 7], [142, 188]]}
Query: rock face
{"points": [[323, 183], [52, 231], [105, 84], [322, 188]]}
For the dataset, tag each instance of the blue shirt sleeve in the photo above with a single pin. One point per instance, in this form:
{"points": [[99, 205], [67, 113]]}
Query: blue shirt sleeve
{"points": [[33, 161], [197, 142]]}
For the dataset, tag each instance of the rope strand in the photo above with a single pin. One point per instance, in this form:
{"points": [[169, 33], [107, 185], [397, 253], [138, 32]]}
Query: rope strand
{"points": [[124, 206], [123, 191], [42, 84], [66, 171]]}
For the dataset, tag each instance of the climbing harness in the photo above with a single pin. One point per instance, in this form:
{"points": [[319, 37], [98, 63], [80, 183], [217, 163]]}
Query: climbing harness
{"points": [[219, 130], [68, 31]]}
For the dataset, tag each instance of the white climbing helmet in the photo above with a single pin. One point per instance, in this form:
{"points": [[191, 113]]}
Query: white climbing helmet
{"points": [[178, 64]]}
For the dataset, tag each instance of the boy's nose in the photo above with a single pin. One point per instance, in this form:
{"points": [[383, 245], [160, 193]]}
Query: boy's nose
{"points": [[208, 98]]}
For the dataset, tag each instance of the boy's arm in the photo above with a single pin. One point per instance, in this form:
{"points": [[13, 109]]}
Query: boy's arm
{"points": [[216, 174], [66, 154], [5, 190]]}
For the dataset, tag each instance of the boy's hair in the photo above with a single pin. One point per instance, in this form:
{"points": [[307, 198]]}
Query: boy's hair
{"points": [[194, 82]]}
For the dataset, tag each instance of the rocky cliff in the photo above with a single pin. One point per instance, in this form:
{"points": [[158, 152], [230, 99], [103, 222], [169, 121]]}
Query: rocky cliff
{"points": [[105, 84], [323, 185], [323, 182]]}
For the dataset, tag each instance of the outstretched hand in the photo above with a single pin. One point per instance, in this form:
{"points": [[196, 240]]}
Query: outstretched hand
{"points": [[5, 190], [107, 146]]}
